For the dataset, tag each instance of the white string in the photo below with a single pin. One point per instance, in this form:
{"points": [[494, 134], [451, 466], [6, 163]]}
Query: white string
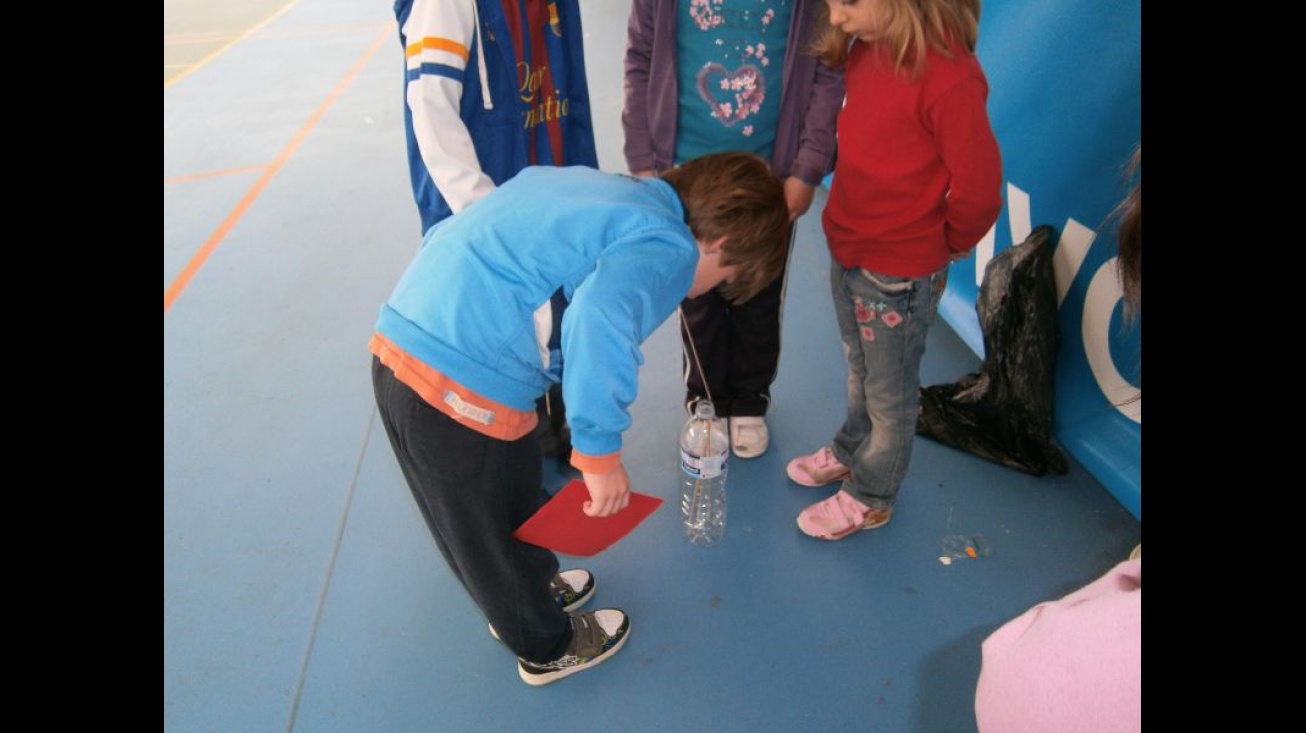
{"points": [[693, 350]]}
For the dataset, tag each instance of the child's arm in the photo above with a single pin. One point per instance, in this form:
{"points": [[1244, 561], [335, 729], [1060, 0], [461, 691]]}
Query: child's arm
{"points": [[638, 148], [816, 148], [637, 283], [439, 34], [970, 152]]}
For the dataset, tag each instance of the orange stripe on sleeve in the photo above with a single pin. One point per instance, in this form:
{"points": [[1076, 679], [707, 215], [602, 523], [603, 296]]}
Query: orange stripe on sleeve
{"points": [[595, 464], [438, 44]]}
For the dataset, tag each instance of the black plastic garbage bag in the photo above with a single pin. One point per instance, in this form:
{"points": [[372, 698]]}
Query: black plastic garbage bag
{"points": [[1004, 412]]}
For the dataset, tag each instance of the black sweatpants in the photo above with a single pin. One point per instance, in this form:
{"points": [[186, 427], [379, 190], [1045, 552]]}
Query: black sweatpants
{"points": [[738, 345], [473, 491]]}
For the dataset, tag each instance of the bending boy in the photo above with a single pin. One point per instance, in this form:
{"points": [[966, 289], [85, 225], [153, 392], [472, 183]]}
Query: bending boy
{"points": [[460, 356]]}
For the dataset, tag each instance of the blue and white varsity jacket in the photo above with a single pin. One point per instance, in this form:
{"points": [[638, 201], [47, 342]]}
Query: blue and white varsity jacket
{"points": [[465, 111]]}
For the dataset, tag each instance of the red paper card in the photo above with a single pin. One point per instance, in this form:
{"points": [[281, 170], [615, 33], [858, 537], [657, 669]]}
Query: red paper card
{"points": [[561, 525]]}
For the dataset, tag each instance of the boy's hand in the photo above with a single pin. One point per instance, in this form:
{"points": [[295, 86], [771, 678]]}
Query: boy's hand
{"points": [[609, 492]]}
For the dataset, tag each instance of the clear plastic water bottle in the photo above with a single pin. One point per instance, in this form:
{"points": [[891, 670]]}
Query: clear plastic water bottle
{"points": [[704, 448]]}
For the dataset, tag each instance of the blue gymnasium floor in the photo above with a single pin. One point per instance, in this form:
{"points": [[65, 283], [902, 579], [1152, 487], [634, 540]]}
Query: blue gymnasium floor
{"points": [[301, 591]]}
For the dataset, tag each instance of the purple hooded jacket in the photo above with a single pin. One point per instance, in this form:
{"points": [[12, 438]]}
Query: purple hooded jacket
{"points": [[810, 97]]}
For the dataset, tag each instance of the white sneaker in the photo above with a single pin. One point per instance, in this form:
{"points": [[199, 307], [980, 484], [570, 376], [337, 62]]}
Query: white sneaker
{"points": [[748, 436]]}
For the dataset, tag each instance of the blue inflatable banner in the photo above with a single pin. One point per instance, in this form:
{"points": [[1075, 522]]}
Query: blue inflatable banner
{"points": [[1065, 100]]}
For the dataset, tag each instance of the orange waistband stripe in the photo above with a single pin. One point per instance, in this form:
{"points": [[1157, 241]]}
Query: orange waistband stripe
{"points": [[477, 412]]}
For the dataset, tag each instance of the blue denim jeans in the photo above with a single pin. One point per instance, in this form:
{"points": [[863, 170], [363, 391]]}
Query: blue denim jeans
{"points": [[883, 322]]}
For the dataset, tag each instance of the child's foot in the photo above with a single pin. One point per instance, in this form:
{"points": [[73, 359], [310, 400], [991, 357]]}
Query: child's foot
{"points": [[596, 635], [818, 469], [748, 436], [840, 516], [572, 588]]}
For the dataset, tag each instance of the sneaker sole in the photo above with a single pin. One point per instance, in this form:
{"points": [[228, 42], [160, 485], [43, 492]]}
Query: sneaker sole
{"points": [[543, 678]]}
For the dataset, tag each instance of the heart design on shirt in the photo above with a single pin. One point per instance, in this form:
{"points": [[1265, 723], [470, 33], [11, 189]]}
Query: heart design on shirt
{"points": [[732, 95]]}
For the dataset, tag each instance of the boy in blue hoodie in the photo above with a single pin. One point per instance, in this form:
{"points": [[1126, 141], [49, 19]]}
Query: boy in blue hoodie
{"points": [[461, 353]]}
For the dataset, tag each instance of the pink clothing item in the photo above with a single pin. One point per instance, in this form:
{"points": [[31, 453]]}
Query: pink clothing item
{"points": [[1070, 666], [818, 469], [839, 516]]}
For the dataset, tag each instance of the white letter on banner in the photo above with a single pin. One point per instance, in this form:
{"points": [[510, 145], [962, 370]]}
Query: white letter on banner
{"points": [[1020, 221], [1099, 303], [1069, 257], [1018, 214]]}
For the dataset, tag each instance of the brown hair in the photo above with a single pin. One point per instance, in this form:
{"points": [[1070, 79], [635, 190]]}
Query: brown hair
{"points": [[1128, 216], [911, 27], [735, 195], [1128, 219]]}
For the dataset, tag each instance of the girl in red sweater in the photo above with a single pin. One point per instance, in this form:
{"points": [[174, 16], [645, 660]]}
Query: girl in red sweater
{"points": [[917, 184]]}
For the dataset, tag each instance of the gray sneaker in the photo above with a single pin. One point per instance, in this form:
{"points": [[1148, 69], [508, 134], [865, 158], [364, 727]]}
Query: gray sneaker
{"points": [[596, 635], [571, 589]]}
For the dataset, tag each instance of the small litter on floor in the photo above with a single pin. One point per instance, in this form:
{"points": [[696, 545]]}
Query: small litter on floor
{"points": [[964, 547]]}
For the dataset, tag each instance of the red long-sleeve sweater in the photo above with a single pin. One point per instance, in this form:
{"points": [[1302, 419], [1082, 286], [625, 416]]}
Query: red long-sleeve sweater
{"points": [[919, 174]]}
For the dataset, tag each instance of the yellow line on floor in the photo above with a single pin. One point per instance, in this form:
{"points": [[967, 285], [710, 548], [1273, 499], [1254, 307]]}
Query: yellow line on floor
{"points": [[223, 50]]}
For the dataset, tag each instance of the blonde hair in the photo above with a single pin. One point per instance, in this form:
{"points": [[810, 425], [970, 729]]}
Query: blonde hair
{"points": [[911, 28], [735, 195]]}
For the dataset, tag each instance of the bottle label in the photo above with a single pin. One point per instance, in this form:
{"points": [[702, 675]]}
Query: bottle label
{"points": [[701, 467]]}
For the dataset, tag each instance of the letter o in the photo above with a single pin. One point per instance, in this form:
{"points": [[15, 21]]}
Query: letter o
{"points": [[1099, 303]]}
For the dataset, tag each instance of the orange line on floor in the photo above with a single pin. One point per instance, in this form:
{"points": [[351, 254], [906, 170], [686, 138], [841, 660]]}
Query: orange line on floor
{"points": [[213, 174], [179, 284]]}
